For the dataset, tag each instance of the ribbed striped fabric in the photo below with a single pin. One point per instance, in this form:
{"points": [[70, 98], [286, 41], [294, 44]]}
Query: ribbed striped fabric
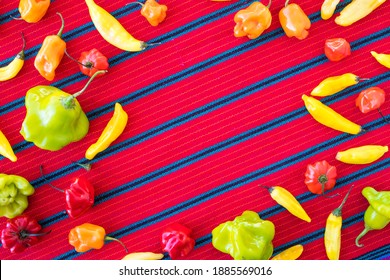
{"points": [[211, 117]]}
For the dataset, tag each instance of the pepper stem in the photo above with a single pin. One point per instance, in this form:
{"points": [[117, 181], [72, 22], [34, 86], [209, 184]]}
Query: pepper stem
{"points": [[89, 64], [269, 4], [380, 112], [86, 166], [366, 229], [23, 234], [59, 34], [286, 3], [338, 211], [47, 181], [109, 238], [323, 180], [21, 53]]}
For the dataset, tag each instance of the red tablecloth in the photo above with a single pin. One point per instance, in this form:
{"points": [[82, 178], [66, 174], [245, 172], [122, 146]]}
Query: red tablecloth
{"points": [[211, 117]]}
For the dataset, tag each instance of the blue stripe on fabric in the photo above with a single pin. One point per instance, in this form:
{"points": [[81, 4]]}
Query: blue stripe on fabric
{"points": [[380, 253]]}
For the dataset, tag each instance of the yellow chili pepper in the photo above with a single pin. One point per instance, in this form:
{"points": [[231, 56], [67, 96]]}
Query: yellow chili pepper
{"points": [[291, 253], [6, 148], [382, 58], [11, 70], [362, 155], [328, 117], [328, 7], [50, 54], [284, 198], [112, 131], [335, 84], [357, 10], [143, 256], [111, 29], [332, 236]]}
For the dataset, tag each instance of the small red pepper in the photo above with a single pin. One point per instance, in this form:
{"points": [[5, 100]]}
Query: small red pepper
{"points": [[337, 48], [20, 233], [92, 61], [176, 241], [320, 177], [79, 196], [371, 99]]}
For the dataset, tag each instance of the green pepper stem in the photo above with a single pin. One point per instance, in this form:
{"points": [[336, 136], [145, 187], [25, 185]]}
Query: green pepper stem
{"points": [[366, 229], [109, 238], [286, 3], [86, 166], [77, 94], [47, 181], [21, 53], [59, 34], [269, 4], [338, 211], [23, 234], [89, 64], [380, 112]]}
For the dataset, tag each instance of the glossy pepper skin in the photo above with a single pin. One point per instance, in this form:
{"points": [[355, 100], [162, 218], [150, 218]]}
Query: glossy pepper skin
{"points": [[370, 99], [291, 253], [12, 69], [335, 84], [79, 197], [328, 117], [6, 148], [14, 192], [377, 215], [328, 7], [320, 177], [337, 49], [111, 132], [176, 240], [54, 118], [294, 21], [154, 12], [33, 10], [382, 58], [21, 233], [332, 235], [362, 155], [92, 61], [89, 236], [50, 54], [247, 237], [252, 21], [357, 10]]}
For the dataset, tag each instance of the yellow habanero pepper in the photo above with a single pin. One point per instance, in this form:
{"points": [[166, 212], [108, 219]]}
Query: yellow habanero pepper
{"points": [[332, 236], [33, 10], [6, 148], [328, 117], [111, 29], [335, 84], [284, 198], [11, 70], [328, 8], [356, 10], [382, 58], [362, 155], [112, 131], [291, 253]]}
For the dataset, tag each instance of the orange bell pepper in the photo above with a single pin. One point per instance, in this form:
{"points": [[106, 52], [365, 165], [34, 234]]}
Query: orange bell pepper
{"points": [[89, 236], [294, 21], [253, 20], [50, 54], [154, 12], [33, 10]]}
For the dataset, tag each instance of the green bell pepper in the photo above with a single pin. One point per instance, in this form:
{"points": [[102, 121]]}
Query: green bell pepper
{"points": [[54, 118], [377, 215], [14, 191], [247, 237]]}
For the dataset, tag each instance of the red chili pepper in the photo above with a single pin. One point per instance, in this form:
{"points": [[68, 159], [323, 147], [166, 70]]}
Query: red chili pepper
{"points": [[79, 196], [337, 48], [320, 176], [176, 241], [371, 99], [92, 61], [20, 233]]}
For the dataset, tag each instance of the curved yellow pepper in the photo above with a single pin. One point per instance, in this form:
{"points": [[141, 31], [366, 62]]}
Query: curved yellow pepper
{"points": [[111, 132], [382, 58], [357, 10], [143, 256], [111, 29], [362, 155], [328, 117], [291, 253], [11, 70], [328, 7], [335, 84], [6, 148], [284, 198]]}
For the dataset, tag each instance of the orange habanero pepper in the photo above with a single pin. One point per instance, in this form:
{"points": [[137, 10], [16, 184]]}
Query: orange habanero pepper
{"points": [[294, 21], [50, 54], [33, 10], [253, 20], [154, 12]]}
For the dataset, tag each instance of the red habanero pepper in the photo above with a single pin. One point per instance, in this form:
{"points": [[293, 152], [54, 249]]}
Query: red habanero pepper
{"points": [[176, 241], [371, 99], [336, 49], [20, 233], [92, 61], [79, 196], [320, 177]]}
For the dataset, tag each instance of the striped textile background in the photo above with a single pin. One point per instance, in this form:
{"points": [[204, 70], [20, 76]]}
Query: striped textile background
{"points": [[211, 117]]}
